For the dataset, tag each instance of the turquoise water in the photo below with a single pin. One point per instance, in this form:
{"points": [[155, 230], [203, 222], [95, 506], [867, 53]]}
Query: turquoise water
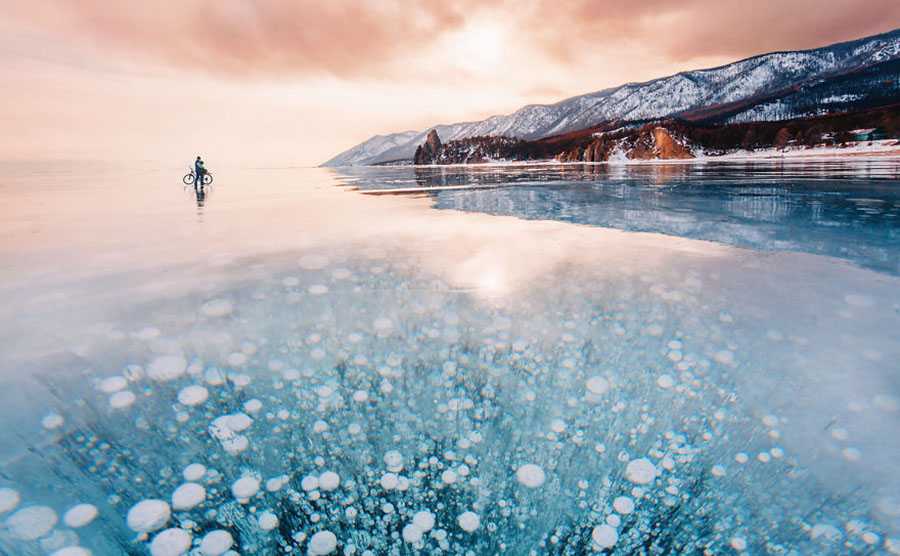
{"points": [[563, 360]]}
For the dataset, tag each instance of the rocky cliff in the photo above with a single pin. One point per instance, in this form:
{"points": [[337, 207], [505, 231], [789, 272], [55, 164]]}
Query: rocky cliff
{"points": [[650, 142], [430, 151], [473, 150]]}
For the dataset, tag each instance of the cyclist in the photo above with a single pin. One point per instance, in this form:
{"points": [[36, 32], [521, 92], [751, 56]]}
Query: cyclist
{"points": [[199, 171]]}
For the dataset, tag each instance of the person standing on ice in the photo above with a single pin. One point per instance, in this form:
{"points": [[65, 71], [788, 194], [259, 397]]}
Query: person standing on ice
{"points": [[199, 170]]}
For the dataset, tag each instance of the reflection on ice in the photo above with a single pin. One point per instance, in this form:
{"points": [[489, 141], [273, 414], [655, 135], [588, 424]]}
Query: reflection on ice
{"points": [[843, 209], [451, 383]]}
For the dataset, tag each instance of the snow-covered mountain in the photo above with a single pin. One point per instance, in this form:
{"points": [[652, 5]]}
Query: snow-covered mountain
{"points": [[667, 96]]}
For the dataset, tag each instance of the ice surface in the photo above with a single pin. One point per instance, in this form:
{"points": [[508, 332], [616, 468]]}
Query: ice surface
{"points": [[483, 384]]}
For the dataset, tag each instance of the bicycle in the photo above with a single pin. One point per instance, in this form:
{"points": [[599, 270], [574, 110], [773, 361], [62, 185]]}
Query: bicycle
{"points": [[190, 178]]}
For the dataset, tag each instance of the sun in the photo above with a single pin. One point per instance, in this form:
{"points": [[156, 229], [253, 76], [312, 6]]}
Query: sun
{"points": [[479, 46]]}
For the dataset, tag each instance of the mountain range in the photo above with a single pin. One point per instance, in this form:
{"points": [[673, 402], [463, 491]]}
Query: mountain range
{"points": [[863, 73]]}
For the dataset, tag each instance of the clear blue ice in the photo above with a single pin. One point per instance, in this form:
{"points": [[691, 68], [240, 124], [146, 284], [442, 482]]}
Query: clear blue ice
{"points": [[686, 359]]}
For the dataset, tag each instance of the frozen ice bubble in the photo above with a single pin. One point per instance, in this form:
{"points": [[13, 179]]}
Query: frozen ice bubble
{"points": [[323, 542], [530, 475], [268, 521], [171, 542], [389, 481], [640, 471], [9, 499], [394, 461], [624, 505], [167, 367], [216, 543], [469, 521], [738, 543], [187, 496], [217, 308], [194, 472], [113, 384], [411, 533], [31, 523], [597, 385], [604, 536], [121, 400], [424, 520], [148, 515], [72, 551], [245, 487], [823, 531], [239, 422], [253, 406], [193, 395], [52, 421], [80, 515], [665, 382], [309, 483], [725, 357], [329, 480]]}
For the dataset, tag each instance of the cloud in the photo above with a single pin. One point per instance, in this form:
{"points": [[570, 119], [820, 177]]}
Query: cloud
{"points": [[385, 38], [249, 37], [684, 30]]}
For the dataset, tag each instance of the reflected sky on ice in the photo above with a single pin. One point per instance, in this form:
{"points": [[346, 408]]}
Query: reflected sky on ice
{"points": [[296, 367]]}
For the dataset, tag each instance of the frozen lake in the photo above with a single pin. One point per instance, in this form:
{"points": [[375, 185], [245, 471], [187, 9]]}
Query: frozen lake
{"points": [[659, 359]]}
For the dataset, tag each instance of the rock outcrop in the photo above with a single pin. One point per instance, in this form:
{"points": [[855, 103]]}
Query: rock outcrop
{"points": [[650, 142], [471, 150], [429, 152]]}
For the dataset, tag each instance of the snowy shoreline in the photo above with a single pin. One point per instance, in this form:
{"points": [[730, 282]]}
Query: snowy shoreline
{"points": [[886, 149]]}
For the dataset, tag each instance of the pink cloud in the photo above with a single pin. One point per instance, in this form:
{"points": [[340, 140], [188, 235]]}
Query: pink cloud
{"points": [[347, 38]]}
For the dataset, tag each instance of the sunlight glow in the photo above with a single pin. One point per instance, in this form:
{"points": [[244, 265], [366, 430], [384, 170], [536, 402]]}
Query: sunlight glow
{"points": [[479, 47]]}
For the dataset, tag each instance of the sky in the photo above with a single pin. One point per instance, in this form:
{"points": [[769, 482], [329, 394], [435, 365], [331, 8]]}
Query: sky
{"points": [[291, 83]]}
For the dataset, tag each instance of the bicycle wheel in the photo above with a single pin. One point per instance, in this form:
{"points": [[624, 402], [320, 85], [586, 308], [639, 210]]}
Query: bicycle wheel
{"points": [[188, 179], [207, 178]]}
